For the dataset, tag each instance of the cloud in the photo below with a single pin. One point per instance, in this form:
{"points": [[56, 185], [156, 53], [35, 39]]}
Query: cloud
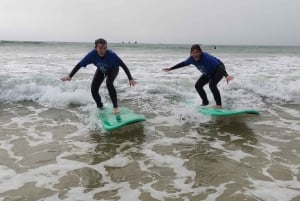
{"points": [[168, 21]]}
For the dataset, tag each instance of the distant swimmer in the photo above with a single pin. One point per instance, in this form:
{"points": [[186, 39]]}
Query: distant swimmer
{"points": [[107, 63], [213, 71]]}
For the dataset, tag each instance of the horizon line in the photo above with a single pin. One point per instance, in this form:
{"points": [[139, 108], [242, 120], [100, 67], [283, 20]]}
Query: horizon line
{"points": [[141, 43]]}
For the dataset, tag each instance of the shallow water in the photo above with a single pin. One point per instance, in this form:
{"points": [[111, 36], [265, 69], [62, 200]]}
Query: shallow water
{"points": [[52, 146]]}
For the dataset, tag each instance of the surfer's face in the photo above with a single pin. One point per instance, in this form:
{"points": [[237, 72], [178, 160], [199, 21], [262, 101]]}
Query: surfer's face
{"points": [[101, 49], [195, 53]]}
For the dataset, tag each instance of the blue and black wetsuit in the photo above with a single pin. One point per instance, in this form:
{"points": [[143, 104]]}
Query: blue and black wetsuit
{"points": [[107, 66], [213, 71]]}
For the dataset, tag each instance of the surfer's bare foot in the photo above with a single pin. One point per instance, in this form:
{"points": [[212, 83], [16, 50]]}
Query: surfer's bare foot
{"points": [[116, 110], [218, 106]]}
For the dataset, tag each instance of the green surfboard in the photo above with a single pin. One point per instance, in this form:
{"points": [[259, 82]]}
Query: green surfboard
{"points": [[224, 112], [112, 121]]}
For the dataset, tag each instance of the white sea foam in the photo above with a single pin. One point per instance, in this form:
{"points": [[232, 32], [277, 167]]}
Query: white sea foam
{"points": [[117, 161], [38, 109], [274, 190]]}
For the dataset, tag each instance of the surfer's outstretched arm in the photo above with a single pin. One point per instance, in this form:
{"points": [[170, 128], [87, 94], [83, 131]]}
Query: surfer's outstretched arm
{"points": [[179, 65], [72, 73], [132, 82], [225, 74]]}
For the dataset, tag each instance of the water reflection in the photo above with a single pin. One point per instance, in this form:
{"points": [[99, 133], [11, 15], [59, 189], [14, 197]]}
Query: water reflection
{"points": [[115, 142]]}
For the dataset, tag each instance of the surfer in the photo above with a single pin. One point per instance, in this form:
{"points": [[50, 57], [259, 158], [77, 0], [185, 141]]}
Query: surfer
{"points": [[213, 71], [107, 63]]}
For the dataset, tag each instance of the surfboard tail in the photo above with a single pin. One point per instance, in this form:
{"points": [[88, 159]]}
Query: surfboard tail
{"points": [[112, 121]]}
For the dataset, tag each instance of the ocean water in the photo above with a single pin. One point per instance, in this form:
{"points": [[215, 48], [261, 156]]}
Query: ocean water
{"points": [[52, 147]]}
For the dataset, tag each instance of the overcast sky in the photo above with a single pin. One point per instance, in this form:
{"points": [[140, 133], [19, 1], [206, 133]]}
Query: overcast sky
{"points": [[230, 22]]}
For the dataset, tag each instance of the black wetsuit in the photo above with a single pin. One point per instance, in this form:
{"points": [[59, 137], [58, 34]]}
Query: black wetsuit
{"points": [[213, 71], [213, 81], [107, 66]]}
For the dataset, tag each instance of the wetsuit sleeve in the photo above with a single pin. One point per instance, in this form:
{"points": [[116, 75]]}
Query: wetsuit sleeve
{"points": [[187, 62], [223, 70], [83, 63], [125, 68], [74, 71], [179, 65]]}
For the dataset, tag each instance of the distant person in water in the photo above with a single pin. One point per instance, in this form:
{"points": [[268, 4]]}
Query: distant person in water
{"points": [[107, 63], [213, 71]]}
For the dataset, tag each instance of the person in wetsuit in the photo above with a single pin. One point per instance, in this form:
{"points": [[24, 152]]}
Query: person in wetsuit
{"points": [[107, 63], [213, 71]]}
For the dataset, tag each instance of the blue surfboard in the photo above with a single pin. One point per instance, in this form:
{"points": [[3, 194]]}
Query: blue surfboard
{"points": [[111, 121], [224, 112]]}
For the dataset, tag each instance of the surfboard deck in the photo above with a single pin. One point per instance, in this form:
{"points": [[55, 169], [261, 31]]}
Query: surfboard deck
{"points": [[224, 112], [112, 121]]}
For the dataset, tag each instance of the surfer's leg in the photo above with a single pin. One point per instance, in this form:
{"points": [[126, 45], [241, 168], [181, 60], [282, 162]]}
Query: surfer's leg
{"points": [[96, 83], [111, 76], [203, 80], [213, 82]]}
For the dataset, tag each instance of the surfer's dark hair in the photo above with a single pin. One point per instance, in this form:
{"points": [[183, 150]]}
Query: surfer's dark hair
{"points": [[196, 47], [100, 41]]}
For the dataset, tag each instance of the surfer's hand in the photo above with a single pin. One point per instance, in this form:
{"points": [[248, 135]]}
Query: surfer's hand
{"points": [[132, 83], [66, 78], [229, 78], [167, 69]]}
